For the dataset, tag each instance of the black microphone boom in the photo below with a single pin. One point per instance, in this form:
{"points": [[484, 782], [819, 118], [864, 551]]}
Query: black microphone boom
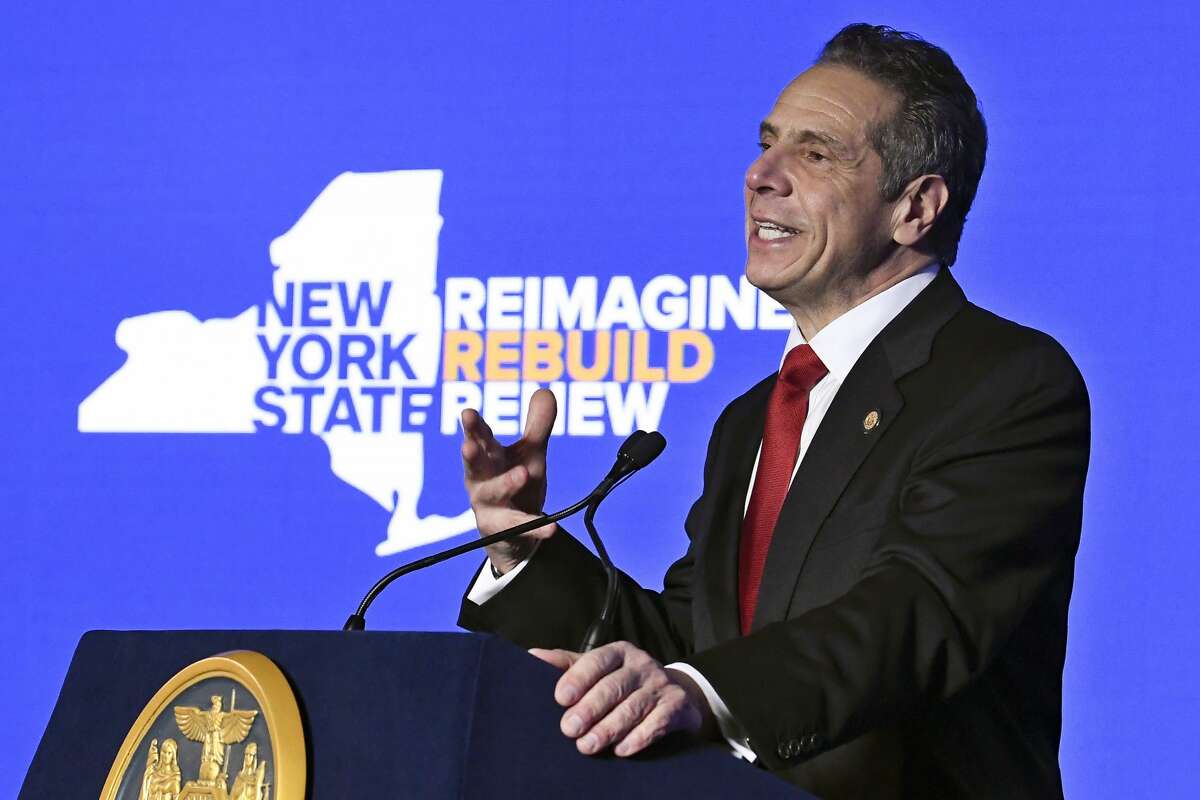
{"points": [[357, 621], [632, 456]]}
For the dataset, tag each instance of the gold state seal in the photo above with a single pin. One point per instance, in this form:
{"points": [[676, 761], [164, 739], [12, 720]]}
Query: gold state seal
{"points": [[184, 744]]}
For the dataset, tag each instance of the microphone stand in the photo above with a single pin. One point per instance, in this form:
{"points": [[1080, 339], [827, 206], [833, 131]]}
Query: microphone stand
{"points": [[600, 631], [641, 450]]}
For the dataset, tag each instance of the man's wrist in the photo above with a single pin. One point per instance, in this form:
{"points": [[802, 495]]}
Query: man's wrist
{"points": [[708, 730], [488, 584], [728, 728], [501, 562]]}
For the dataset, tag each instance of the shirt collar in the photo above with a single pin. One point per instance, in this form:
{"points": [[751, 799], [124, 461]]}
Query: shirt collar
{"points": [[841, 342]]}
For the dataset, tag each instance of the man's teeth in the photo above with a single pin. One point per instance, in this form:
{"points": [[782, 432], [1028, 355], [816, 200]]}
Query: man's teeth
{"points": [[769, 230]]}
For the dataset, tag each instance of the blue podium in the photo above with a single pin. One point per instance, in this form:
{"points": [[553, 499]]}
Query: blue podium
{"points": [[386, 715]]}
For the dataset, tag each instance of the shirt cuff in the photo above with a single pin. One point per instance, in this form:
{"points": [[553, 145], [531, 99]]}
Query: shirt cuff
{"points": [[737, 739], [487, 585]]}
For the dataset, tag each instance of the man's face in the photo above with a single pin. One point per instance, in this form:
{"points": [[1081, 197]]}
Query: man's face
{"points": [[816, 222]]}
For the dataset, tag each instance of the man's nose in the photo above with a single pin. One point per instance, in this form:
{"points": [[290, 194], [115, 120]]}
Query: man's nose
{"points": [[764, 176]]}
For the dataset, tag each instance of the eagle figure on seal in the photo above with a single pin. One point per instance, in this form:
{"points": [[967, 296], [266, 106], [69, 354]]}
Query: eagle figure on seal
{"points": [[216, 729]]}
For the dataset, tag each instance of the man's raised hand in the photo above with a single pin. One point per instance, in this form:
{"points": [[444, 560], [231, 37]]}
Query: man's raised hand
{"points": [[507, 485]]}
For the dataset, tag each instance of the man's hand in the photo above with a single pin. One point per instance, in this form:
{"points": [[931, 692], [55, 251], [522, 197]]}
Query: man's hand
{"points": [[507, 485], [619, 695]]}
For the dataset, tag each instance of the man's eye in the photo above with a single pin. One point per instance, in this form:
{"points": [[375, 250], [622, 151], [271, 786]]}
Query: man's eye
{"points": [[763, 146], [813, 155]]}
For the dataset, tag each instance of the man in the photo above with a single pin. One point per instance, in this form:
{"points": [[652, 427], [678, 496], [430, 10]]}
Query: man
{"points": [[874, 600]]}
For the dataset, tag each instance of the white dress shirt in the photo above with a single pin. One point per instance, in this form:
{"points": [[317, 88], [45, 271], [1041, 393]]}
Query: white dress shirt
{"points": [[839, 345]]}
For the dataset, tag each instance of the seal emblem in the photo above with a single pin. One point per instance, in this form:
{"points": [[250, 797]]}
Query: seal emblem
{"points": [[184, 743]]}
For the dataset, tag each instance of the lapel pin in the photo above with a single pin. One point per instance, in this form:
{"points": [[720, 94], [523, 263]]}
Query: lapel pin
{"points": [[870, 421]]}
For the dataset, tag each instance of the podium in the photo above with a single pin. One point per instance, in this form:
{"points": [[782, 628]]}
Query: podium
{"points": [[385, 715]]}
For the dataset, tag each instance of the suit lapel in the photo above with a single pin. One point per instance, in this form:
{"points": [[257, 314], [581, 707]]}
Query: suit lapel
{"points": [[741, 436], [843, 440]]}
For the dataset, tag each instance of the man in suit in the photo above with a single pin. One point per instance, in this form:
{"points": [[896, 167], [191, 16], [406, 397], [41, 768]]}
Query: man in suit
{"points": [[874, 599]]}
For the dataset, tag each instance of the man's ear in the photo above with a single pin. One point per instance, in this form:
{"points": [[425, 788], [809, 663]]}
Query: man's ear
{"points": [[918, 208]]}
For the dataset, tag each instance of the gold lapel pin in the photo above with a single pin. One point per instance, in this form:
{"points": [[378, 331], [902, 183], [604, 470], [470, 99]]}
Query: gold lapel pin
{"points": [[870, 421]]}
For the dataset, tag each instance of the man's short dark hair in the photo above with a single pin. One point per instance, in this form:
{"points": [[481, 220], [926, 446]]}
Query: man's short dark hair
{"points": [[937, 129]]}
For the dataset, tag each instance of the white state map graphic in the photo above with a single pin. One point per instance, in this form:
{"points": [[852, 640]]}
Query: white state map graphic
{"points": [[184, 375]]}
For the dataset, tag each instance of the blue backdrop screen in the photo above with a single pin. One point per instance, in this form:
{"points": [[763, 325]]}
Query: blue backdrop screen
{"points": [[257, 260]]}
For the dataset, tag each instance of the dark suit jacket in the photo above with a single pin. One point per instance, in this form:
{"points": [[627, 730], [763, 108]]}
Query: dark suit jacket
{"points": [[911, 628]]}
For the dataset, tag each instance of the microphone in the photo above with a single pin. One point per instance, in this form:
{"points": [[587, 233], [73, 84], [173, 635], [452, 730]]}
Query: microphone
{"points": [[638, 453], [632, 456]]}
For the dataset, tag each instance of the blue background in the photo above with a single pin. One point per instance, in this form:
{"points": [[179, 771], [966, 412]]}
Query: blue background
{"points": [[149, 155]]}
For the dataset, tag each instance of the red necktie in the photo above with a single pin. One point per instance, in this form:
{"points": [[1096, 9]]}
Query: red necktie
{"points": [[786, 411]]}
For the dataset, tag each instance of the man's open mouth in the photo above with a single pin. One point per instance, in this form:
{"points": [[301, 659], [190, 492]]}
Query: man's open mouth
{"points": [[768, 230]]}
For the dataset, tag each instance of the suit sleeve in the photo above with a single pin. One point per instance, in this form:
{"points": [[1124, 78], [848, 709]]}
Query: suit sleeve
{"points": [[989, 517], [561, 590]]}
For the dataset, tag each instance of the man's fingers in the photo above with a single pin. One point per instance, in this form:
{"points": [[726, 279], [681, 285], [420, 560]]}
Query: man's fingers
{"points": [[539, 421], [603, 702], [475, 427], [584, 674], [473, 424], [476, 464], [670, 714], [478, 447], [563, 659], [619, 722]]}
